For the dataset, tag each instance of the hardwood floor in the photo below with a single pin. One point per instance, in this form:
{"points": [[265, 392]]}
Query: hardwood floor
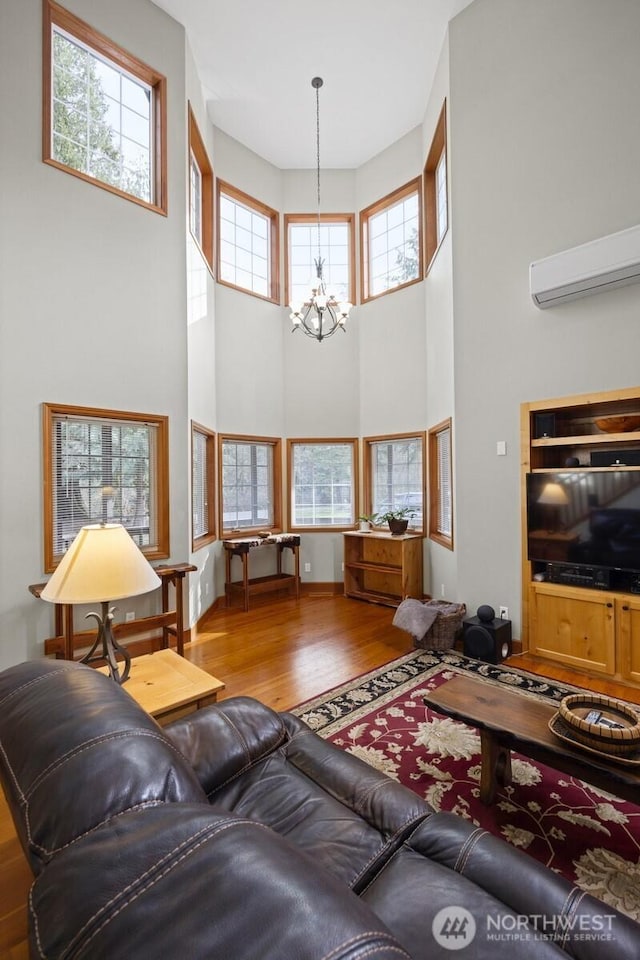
{"points": [[283, 652]]}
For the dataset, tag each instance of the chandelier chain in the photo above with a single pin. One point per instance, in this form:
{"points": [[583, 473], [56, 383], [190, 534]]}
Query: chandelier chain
{"points": [[318, 160]]}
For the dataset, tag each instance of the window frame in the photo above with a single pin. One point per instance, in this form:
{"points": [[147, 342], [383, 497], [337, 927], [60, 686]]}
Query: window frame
{"points": [[57, 16], [435, 533], [368, 444], [197, 149], [201, 540], [222, 187], [437, 149], [390, 200], [355, 481], [54, 411], [276, 526], [325, 218]]}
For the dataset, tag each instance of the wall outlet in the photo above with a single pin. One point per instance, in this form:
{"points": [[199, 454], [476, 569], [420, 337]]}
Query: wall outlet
{"points": [[206, 589], [442, 589], [504, 613], [307, 568], [129, 616], [343, 567]]}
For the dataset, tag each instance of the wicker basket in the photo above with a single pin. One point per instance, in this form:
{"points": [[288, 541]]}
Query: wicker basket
{"points": [[442, 634], [623, 738]]}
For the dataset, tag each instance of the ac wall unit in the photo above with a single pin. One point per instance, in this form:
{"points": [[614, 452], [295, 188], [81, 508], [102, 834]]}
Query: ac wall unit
{"points": [[590, 268]]}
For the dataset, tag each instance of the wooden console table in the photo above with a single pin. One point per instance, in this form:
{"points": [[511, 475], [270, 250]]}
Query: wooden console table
{"points": [[240, 548], [171, 621]]}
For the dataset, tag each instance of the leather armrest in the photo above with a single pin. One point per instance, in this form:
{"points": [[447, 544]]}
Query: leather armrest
{"points": [[182, 880]]}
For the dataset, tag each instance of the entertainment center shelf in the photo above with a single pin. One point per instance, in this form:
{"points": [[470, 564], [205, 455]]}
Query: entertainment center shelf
{"points": [[581, 607]]}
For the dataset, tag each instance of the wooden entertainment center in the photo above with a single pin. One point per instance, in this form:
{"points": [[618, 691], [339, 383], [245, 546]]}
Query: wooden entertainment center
{"points": [[586, 620]]}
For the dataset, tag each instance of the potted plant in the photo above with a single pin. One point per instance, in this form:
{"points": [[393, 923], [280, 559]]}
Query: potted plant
{"points": [[398, 520], [365, 522]]}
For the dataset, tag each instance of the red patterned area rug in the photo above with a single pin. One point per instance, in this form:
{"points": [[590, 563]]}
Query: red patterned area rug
{"points": [[581, 832]]}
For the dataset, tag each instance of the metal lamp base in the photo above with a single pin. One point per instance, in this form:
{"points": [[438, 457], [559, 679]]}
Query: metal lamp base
{"points": [[109, 646]]}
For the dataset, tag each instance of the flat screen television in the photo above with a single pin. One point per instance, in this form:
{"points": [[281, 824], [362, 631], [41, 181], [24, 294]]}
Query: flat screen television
{"points": [[589, 517]]}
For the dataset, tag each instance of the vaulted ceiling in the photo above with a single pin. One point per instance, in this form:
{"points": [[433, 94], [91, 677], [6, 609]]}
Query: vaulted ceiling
{"points": [[256, 59]]}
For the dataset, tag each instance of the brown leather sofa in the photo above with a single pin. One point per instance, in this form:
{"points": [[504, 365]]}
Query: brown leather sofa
{"points": [[239, 834]]}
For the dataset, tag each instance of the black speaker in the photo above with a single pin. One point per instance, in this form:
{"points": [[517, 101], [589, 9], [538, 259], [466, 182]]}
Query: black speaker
{"points": [[615, 458], [486, 640], [544, 425]]}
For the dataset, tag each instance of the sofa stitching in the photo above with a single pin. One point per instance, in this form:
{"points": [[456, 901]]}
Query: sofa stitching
{"points": [[572, 902], [35, 680], [370, 949], [111, 818], [205, 833], [467, 849]]}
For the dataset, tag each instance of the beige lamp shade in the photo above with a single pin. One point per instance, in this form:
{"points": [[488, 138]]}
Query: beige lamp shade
{"points": [[554, 495], [103, 563]]}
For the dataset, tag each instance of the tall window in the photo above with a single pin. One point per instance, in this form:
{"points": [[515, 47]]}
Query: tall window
{"points": [[248, 243], [435, 180], [250, 480], [322, 482], [104, 111], [394, 475], [390, 241], [202, 485], [336, 251], [104, 466], [200, 193], [440, 485]]}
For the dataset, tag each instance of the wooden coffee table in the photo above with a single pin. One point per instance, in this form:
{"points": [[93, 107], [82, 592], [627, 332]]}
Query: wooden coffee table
{"points": [[508, 720], [169, 687]]}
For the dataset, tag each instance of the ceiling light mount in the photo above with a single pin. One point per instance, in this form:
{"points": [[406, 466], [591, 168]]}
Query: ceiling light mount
{"points": [[321, 314]]}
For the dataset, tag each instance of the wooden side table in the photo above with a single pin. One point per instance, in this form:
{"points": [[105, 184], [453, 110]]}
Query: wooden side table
{"points": [[169, 687]]}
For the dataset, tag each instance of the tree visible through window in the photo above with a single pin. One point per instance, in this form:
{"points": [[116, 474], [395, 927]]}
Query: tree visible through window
{"points": [[322, 482], [202, 485], [390, 240], [104, 110], [250, 495], [104, 467], [394, 478]]}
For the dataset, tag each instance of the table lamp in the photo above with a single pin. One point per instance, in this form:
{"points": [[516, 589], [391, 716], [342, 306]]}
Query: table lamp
{"points": [[102, 564]]}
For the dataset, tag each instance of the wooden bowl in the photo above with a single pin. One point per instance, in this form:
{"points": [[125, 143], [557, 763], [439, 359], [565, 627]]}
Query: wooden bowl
{"points": [[621, 424], [621, 738]]}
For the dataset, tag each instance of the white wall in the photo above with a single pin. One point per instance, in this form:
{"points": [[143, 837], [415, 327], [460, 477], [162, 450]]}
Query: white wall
{"points": [[544, 146], [93, 297]]}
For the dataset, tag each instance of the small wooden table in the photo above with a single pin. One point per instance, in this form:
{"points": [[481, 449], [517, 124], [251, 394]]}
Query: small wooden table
{"points": [[508, 720], [241, 546], [169, 687]]}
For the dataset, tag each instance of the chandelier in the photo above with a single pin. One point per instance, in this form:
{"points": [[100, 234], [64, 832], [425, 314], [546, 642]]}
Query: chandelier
{"points": [[321, 314]]}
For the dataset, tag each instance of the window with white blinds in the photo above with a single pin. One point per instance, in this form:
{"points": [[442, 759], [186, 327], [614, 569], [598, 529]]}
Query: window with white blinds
{"points": [[202, 485], [104, 467], [250, 483], [440, 485], [394, 477]]}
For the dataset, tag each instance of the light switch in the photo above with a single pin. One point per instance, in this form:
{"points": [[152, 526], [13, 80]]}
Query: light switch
{"points": [[501, 448]]}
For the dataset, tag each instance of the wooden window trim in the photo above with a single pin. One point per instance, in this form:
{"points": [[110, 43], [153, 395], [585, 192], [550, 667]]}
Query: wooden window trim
{"points": [[161, 493], [348, 218], [276, 443], [298, 441], [197, 147], [437, 148], [58, 16], [274, 238], [434, 533], [367, 445], [198, 542], [413, 186]]}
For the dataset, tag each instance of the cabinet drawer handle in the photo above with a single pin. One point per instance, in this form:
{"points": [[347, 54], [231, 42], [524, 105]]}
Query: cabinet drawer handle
{"points": [[625, 607], [609, 604]]}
